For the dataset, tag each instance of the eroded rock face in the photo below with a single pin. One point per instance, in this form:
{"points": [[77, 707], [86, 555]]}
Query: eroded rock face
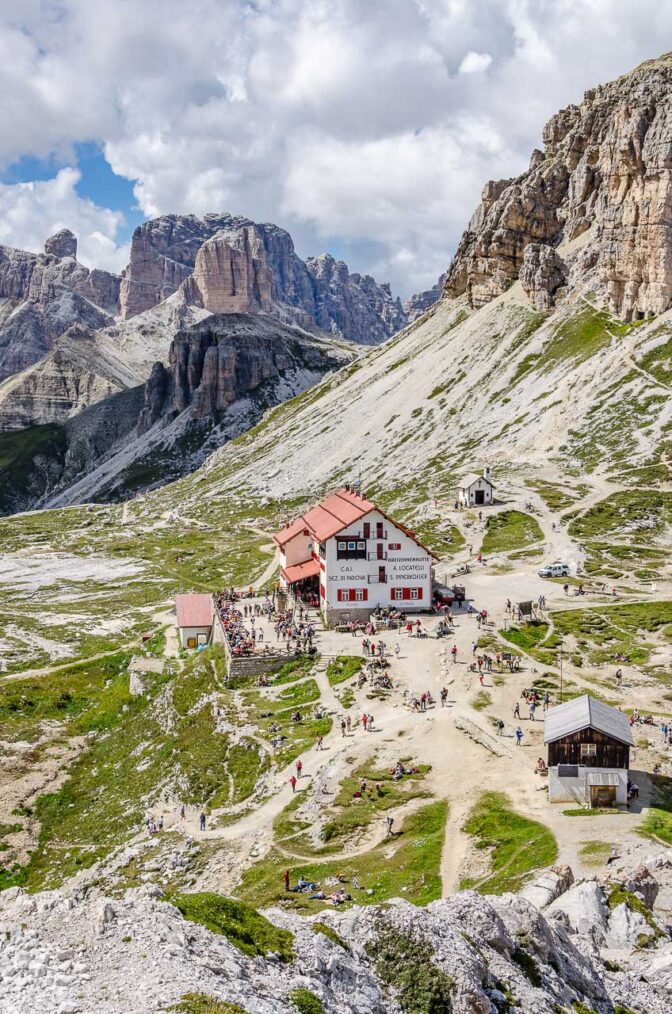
{"points": [[230, 264], [62, 244], [41, 296], [605, 168], [228, 357], [418, 304], [231, 274], [542, 273]]}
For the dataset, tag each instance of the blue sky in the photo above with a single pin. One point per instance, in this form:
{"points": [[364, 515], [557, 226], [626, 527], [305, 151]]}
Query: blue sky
{"points": [[365, 129]]}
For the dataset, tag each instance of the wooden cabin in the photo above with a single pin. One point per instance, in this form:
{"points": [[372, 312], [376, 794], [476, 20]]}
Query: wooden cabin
{"points": [[588, 753]]}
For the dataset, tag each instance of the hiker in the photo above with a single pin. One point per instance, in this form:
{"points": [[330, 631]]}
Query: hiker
{"points": [[481, 678], [201, 821], [500, 726], [397, 650], [365, 719], [474, 646], [348, 722], [299, 768], [547, 700], [285, 877], [292, 782], [565, 589], [619, 678], [533, 708], [319, 742], [342, 727], [453, 652], [183, 812], [444, 696], [389, 821], [516, 710], [519, 736], [370, 724]]}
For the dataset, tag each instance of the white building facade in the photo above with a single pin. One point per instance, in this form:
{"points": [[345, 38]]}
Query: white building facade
{"points": [[368, 561], [476, 490]]}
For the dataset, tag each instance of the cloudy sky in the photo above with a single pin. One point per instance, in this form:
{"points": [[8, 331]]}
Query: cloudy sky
{"points": [[365, 127]]}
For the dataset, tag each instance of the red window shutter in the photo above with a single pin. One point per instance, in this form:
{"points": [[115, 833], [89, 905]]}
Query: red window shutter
{"points": [[352, 594], [366, 594], [407, 593], [419, 593], [323, 593], [367, 529]]}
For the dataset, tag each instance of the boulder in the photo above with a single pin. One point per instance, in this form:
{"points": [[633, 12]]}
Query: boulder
{"points": [[548, 886]]}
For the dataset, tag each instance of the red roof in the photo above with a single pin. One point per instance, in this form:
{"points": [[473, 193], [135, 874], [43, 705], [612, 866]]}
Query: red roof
{"points": [[331, 515], [289, 532], [194, 610], [300, 570]]}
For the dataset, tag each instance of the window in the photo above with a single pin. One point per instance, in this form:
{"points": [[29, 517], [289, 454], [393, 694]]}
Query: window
{"points": [[588, 750], [415, 593], [394, 545], [352, 594], [379, 530], [397, 594], [367, 529], [351, 548], [406, 594]]}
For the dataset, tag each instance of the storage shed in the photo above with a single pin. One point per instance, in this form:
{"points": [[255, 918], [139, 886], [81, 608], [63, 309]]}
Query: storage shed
{"points": [[194, 619], [588, 753]]}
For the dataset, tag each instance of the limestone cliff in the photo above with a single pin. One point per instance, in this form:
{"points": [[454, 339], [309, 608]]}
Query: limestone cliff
{"points": [[227, 263], [228, 357], [605, 176], [42, 295]]}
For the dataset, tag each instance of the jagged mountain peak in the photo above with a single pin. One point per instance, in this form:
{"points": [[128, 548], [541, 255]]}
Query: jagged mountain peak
{"points": [[599, 194]]}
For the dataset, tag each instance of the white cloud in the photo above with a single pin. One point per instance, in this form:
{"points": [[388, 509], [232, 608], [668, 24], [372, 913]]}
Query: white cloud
{"points": [[474, 63], [30, 212], [371, 126]]}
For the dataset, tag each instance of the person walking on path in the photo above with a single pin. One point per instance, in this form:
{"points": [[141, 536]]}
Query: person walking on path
{"points": [[519, 736], [547, 700], [533, 708], [365, 719], [390, 822], [299, 768], [201, 821], [481, 678], [292, 782], [474, 646], [343, 723], [516, 710], [453, 652], [285, 877], [500, 726], [348, 722], [444, 696], [319, 742]]}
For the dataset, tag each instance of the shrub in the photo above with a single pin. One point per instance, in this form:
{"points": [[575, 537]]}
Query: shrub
{"points": [[306, 1002], [241, 924], [404, 963]]}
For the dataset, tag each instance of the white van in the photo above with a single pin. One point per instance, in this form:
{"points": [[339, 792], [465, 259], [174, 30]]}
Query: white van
{"points": [[555, 570]]}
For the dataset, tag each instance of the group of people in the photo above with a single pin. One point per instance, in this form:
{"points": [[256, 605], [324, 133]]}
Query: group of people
{"points": [[373, 649], [241, 638], [295, 634]]}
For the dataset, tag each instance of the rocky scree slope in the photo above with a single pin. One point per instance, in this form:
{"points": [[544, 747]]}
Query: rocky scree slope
{"points": [[558, 946], [597, 199], [222, 375]]}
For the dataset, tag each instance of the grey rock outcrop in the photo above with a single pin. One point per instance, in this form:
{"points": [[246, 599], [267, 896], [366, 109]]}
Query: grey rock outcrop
{"points": [[542, 273], [231, 264], [418, 304], [228, 357], [62, 244], [77, 947], [604, 171], [41, 296]]}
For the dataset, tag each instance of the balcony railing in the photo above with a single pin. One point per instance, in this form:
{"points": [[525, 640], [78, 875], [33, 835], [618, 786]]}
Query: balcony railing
{"points": [[377, 556]]}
